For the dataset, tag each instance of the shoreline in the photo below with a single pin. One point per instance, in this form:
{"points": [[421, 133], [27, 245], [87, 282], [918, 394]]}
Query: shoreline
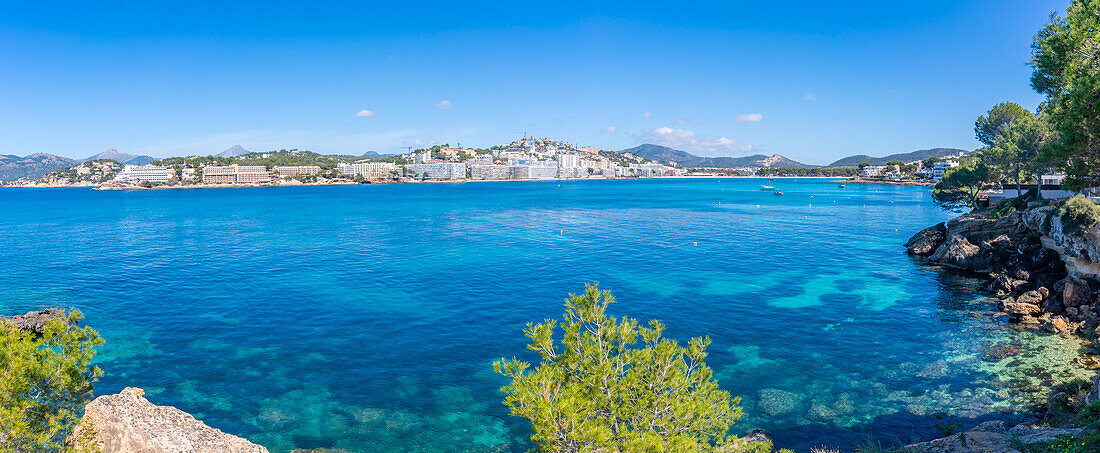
{"points": [[118, 187], [883, 182]]}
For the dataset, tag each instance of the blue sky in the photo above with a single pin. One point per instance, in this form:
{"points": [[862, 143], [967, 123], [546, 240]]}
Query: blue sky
{"points": [[811, 80]]}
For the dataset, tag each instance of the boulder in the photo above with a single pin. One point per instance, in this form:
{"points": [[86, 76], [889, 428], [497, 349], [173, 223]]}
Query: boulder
{"points": [[1018, 309], [1075, 292], [1053, 306], [927, 240], [1056, 324], [127, 422], [35, 321], [1030, 297], [958, 252], [1003, 284]]}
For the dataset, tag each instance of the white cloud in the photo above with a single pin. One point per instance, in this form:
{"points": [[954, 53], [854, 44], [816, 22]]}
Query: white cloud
{"points": [[687, 140], [809, 97], [647, 115], [364, 113], [749, 117], [610, 129], [443, 105]]}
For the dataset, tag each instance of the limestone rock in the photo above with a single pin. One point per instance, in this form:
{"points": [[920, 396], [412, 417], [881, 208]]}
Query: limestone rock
{"points": [[127, 422], [1030, 297], [993, 437], [35, 321], [927, 240], [1004, 284], [959, 252], [1017, 308], [1056, 324], [1075, 292]]}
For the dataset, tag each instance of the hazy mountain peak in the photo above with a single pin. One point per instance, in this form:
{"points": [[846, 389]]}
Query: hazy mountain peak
{"points": [[234, 151]]}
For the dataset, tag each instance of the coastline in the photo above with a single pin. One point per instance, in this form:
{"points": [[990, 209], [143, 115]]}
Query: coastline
{"points": [[111, 186], [883, 182]]}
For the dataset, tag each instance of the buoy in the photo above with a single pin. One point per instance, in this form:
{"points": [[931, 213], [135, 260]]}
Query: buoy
{"points": [[695, 244]]}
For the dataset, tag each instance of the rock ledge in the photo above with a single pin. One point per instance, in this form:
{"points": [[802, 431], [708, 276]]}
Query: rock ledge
{"points": [[127, 422]]}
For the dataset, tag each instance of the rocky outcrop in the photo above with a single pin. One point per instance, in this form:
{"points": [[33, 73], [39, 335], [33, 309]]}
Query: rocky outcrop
{"points": [[35, 321], [959, 252], [1045, 281], [127, 422], [924, 243], [994, 437]]}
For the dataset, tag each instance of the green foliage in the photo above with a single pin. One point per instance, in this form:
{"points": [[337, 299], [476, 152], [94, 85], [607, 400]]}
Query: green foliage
{"points": [[1078, 214], [946, 425], [1010, 205], [45, 383], [990, 126], [1067, 71], [959, 186], [612, 385]]}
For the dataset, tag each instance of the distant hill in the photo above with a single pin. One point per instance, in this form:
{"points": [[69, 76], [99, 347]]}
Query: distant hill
{"points": [[852, 161], [376, 154], [32, 166], [235, 151], [666, 155], [113, 154]]}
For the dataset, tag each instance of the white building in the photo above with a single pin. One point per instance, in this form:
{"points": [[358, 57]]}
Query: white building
{"points": [[368, 169], [536, 171], [648, 170], [872, 171], [492, 172], [235, 174], [297, 170], [446, 170], [568, 160], [152, 173], [939, 168]]}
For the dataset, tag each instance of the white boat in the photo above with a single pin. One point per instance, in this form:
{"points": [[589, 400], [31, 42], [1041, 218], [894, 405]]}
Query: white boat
{"points": [[778, 193], [842, 186], [767, 188]]}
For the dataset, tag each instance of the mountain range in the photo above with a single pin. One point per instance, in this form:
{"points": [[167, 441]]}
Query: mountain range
{"points": [[666, 155], [113, 154], [32, 166], [852, 161]]}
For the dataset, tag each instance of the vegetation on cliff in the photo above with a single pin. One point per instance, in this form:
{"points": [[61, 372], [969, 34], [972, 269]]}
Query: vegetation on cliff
{"points": [[1064, 132], [46, 380], [613, 385]]}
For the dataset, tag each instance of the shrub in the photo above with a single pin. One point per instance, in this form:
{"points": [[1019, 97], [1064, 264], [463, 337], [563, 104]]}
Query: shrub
{"points": [[603, 390], [1078, 214], [45, 382]]}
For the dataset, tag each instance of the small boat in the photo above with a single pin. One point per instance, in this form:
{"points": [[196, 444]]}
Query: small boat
{"points": [[778, 193], [842, 186], [764, 187]]}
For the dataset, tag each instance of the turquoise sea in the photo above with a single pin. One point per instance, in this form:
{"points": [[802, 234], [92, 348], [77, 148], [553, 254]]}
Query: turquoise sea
{"points": [[367, 317]]}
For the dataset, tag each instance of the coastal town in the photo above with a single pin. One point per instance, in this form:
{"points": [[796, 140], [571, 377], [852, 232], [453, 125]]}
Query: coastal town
{"points": [[527, 158], [524, 159]]}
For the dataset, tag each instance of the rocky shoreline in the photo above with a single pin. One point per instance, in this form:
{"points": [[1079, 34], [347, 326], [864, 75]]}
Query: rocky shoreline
{"points": [[1042, 274]]}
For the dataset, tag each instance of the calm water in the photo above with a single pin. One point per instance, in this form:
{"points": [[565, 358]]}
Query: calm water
{"points": [[367, 317]]}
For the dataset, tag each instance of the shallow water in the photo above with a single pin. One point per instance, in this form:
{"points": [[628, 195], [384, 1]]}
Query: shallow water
{"points": [[367, 317]]}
